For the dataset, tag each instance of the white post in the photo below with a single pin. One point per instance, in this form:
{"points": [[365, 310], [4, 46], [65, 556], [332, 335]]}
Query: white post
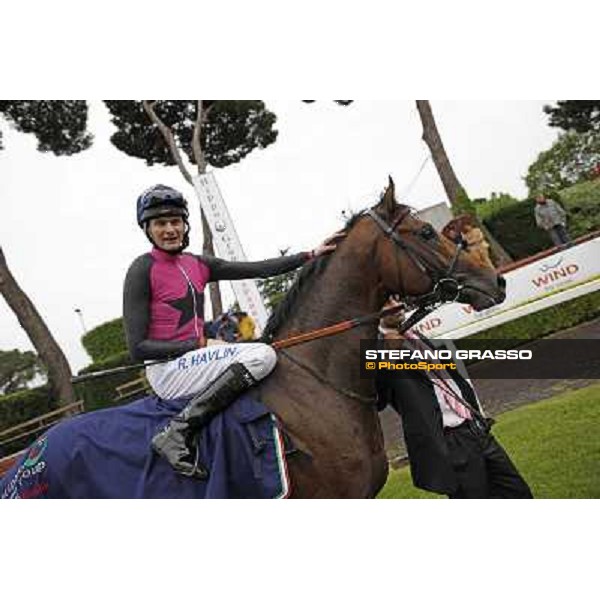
{"points": [[80, 315], [228, 246]]}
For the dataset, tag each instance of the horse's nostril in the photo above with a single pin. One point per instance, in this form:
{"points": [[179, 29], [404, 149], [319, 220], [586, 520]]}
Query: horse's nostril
{"points": [[501, 282]]}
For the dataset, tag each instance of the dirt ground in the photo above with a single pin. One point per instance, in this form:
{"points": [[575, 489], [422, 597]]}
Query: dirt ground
{"points": [[500, 395]]}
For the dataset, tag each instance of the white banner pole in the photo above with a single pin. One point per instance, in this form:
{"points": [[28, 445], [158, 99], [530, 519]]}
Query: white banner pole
{"points": [[228, 246]]}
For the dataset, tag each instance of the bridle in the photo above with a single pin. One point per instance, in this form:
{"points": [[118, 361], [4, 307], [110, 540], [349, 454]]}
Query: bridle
{"points": [[446, 288]]}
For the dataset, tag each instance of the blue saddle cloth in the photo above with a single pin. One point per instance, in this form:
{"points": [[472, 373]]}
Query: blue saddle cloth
{"points": [[107, 454]]}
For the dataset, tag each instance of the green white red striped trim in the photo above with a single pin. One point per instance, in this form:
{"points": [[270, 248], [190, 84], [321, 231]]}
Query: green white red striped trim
{"points": [[281, 461]]}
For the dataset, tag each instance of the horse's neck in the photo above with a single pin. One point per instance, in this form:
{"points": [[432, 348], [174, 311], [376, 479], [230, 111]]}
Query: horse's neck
{"points": [[348, 288]]}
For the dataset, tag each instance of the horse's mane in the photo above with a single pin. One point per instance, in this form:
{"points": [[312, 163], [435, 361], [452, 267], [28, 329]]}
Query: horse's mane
{"points": [[303, 282]]}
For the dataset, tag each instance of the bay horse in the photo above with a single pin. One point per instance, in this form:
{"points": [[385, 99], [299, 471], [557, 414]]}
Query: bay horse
{"points": [[316, 392]]}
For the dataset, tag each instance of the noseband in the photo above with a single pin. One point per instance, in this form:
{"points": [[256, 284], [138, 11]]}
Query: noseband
{"points": [[446, 287]]}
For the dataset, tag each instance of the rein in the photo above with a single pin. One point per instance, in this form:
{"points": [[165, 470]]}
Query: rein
{"points": [[342, 326], [339, 328], [316, 334]]}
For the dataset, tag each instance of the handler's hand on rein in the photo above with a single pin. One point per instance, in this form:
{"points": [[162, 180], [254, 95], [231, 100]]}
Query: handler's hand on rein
{"points": [[390, 324]]}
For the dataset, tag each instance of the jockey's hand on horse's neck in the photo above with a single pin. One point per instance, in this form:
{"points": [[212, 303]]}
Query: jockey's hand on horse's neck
{"points": [[329, 245]]}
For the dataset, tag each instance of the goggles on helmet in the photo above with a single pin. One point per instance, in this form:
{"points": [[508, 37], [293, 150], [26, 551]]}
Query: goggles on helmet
{"points": [[158, 201]]}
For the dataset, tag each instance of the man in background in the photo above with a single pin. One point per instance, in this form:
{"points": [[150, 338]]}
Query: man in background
{"points": [[551, 216]]}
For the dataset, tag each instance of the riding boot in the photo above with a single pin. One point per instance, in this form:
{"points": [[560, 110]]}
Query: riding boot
{"points": [[177, 442]]}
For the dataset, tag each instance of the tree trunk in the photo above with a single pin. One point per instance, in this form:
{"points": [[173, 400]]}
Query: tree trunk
{"points": [[433, 140], [431, 137], [59, 372], [208, 246]]}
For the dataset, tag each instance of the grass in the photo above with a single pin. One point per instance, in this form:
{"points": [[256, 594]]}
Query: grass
{"points": [[554, 443]]}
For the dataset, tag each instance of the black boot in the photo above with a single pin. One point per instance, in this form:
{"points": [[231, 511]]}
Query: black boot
{"points": [[177, 441]]}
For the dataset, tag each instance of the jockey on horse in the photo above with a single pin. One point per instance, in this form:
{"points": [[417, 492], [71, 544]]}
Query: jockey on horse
{"points": [[163, 313]]}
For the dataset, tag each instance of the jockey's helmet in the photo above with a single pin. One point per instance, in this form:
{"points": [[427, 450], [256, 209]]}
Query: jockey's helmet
{"points": [[158, 201], [162, 201]]}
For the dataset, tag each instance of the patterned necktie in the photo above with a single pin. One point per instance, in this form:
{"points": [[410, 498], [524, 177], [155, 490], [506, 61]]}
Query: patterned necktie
{"points": [[444, 385], [448, 395]]}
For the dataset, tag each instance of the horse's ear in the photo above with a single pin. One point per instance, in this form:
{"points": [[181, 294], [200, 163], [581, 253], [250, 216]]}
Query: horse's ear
{"points": [[388, 202]]}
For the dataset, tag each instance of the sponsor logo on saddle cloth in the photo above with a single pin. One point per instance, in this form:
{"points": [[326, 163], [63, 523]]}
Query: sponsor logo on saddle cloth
{"points": [[25, 483]]}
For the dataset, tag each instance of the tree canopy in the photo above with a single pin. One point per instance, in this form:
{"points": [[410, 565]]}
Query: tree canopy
{"points": [[17, 369], [571, 159], [231, 130], [60, 126], [575, 115]]}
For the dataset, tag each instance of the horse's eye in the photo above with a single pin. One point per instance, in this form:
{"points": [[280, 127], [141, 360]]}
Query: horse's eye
{"points": [[427, 232]]}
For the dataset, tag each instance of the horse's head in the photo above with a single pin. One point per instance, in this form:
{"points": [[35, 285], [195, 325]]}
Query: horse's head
{"points": [[416, 262]]}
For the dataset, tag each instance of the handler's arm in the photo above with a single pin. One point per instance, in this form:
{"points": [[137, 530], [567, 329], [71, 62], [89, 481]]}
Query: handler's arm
{"points": [[136, 317]]}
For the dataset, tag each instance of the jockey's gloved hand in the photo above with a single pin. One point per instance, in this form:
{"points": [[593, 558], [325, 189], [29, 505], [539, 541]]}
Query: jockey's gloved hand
{"points": [[329, 245]]}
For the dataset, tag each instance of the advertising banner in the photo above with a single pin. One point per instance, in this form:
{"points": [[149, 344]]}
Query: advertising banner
{"points": [[566, 269]]}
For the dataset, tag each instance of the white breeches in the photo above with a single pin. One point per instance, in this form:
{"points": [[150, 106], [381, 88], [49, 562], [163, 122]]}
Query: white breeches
{"points": [[195, 370]]}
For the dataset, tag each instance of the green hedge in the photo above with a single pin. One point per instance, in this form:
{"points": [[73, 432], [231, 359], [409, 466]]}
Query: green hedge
{"points": [[96, 394], [20, 407], [515, 229], [513, 223], [546, 321], [101, 392], [23, 406], [105, 341], [488, 208]]}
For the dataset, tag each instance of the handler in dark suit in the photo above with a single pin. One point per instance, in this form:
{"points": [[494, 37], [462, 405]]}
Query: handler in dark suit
{"points": [[450, 447]]}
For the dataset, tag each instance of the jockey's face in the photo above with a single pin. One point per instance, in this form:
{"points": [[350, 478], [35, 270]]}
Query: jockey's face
{"points": [[167, 232]]}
